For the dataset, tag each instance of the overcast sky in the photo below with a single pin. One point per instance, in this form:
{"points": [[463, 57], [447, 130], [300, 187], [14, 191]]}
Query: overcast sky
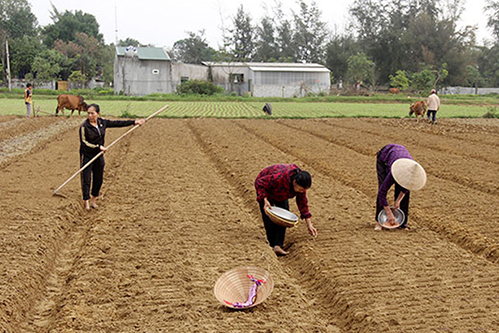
{"points": [[163, 22]]}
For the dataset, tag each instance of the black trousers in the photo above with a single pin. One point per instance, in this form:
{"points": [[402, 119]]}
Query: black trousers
{"points": [[275, 233], [93, 174], [382, 171]]}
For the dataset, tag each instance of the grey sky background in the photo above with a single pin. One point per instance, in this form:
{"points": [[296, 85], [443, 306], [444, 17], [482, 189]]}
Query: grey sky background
{"points": [[162, 23]]}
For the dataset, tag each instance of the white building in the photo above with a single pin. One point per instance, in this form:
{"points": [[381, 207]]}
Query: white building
{"points": [[270, 79]]}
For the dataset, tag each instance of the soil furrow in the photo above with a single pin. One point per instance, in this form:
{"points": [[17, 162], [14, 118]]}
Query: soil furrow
{"points": [[396, 249], [439, 212]]}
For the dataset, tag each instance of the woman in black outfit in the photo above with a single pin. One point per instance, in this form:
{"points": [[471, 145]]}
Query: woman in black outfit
{"points": [[92, 134]]}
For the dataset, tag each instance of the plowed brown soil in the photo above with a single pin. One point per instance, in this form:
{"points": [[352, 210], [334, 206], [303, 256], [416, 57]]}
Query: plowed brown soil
{"points": [[178, 209]]}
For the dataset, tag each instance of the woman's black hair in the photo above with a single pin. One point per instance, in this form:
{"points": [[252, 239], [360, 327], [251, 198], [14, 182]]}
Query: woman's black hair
{"points": [[95, 106], [303, 178]]}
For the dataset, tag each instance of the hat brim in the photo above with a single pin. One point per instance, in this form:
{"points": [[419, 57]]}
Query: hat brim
{"points": [[409, 174]]}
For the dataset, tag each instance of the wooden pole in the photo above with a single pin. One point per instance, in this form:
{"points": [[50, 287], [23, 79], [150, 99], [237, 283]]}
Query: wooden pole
{"points": [[8, 64], [102, 152]]}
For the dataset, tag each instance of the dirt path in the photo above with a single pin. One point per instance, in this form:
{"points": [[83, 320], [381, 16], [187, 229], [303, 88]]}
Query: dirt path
{"points": [[178, 210]]}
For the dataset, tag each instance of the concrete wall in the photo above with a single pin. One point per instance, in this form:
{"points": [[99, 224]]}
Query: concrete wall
{"points": [[221, 77], [188, 71], [134, 77], [467, 90], [288, 90]]}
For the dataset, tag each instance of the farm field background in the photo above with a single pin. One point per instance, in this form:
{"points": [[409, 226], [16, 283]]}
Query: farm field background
{"points": [[247, 109], [178, 209]]}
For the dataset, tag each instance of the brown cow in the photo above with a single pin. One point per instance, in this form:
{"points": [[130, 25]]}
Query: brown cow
{"points": [[394, 90], [418, 108], [70, 102]]}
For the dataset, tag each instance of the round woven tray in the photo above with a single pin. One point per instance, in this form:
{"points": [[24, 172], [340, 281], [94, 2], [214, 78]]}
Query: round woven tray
{"points": [[234, 285], [279, 220]]}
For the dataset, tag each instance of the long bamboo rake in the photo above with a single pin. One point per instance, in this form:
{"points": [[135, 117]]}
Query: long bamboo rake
{"points": [[110, 145]]}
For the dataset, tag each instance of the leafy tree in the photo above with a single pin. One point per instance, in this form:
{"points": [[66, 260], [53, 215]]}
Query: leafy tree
{"points": [[488, 63], [193, 50], [243, 36], [492, 9], [412, 35], [361, 69], [48, 65], [338, 50], [16, 19], [129, 42], [423, 81], [473, 77], [266, 46], [83, 54], [310, 33], [106, 61], [78, 78], [17, 24], [399, 80], [23, 51], [67, 25], [284, 38]]}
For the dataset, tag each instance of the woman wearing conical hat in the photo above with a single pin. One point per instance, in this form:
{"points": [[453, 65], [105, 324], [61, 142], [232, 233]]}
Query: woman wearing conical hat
{"points": [[395, 165]]}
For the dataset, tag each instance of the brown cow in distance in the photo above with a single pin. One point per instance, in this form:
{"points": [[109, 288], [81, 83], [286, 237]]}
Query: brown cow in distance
{"points": [[418, 108], [394, 90], [70, 102]]}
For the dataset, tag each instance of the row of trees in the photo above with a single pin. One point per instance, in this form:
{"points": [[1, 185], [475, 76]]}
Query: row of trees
{"points": [[398, 42], [69, 48]]}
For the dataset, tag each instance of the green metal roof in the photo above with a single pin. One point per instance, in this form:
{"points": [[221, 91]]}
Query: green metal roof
{"points": [[146, 53]]}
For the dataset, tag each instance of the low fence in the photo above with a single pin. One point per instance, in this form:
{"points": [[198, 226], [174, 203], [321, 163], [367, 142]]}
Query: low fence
{"points": [[468, 91]]}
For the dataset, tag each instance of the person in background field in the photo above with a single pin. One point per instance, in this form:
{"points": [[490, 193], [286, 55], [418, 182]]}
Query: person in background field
{"points": [[92, 135], [433, 106], [274, 186], [394, 165], [27, 99]]}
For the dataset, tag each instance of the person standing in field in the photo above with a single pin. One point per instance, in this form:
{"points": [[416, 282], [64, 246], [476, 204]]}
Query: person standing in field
{"points": [[394, 165], [274, 186], [92, 135], [433, 106], [28, 93]]}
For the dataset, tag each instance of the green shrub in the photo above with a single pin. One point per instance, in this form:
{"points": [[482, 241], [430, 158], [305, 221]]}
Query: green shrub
{"points": [[491, 112], [198, 87]]}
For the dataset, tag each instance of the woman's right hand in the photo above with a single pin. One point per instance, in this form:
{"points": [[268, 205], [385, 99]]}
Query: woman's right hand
{"points": [[102, 148]]}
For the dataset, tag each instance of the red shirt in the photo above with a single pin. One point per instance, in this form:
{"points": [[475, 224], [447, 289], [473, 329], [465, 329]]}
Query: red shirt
{"points": [[275, 184]]}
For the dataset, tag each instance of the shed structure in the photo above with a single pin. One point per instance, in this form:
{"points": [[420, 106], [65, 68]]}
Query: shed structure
{"points": [[140, 71], [270, 79]]}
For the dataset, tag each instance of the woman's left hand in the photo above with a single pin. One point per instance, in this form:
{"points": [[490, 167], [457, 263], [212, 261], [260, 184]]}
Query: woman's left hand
{"points": [[140, 122]]}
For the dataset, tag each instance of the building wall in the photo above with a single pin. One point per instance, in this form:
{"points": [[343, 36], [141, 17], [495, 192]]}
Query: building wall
{"points": [[467, 90], [187, 71], [288, 90], [221, 77], [134, 77], [290, 84]]}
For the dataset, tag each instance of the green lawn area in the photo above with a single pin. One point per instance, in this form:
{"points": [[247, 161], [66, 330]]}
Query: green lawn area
{"points": [[244, 109]]}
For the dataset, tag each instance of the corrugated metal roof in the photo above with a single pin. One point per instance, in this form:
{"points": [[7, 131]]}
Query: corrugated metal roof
{"points": [[290, 69], [283, 65], [146, 53]]}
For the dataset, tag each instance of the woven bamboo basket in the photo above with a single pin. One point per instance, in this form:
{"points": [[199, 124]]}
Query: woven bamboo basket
{"points": [[282, 217], [234, 285]]}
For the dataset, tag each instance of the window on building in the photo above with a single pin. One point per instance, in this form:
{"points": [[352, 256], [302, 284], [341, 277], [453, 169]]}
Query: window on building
{"points": [[236, 78]]}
